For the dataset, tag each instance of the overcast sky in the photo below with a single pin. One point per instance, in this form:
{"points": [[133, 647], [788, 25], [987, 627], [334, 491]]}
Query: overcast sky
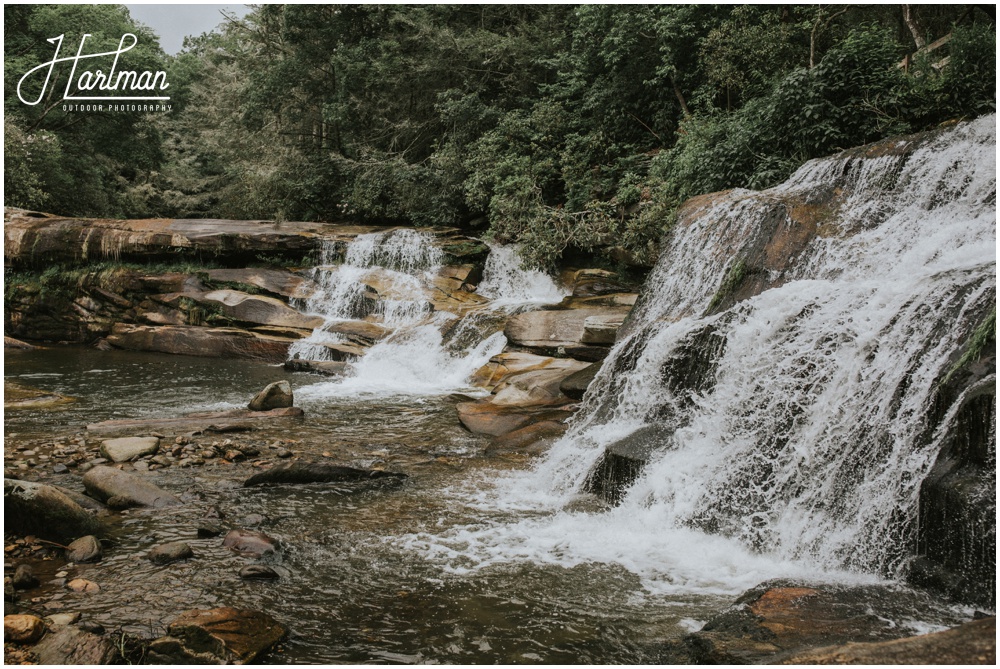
{"points": [[174, 22]]}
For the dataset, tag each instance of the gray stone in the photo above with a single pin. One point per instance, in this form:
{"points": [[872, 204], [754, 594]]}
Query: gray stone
{"points": [[129, 448], [317, 472], [71, 645], [575, 385], [85, 549], [45, 511], [277, 395], [24, 577], [259, 572], [108, 483], [171, 552]]}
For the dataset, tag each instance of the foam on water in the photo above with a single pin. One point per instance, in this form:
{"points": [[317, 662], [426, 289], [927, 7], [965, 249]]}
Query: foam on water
{"points": [[508, 283], [805, 456]]}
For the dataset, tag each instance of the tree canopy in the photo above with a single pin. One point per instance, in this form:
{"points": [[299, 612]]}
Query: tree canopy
{"points": [[562, 127]]}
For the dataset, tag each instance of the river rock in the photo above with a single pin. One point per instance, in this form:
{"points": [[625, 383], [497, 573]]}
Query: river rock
{"points": [[551, 330], [62, 619], [217, 636], [257, 309], [24, 577], [258, 572], [302, 471], [84, 549], [248, 542], [972, 643], [277, 395], [71, 645], [23, 628], [534, 438], [575, 385], [10, 342], [200, 341], [44, 511], [129, 448], [83, 585], [536, 387], [491, 419], [170, 552], [108, 483]]}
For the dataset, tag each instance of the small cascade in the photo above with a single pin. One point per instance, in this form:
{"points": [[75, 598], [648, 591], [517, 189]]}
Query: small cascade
{"points": [[387, 279], [787, 432]]}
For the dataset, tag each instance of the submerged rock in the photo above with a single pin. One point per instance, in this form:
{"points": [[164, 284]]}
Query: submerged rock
{"points": [[170, 552], [258, 572], [110, 484], [85, 549], [277, 395], [217, 636], [24, 577], [248, 542], [44, 511], [318, 472]]}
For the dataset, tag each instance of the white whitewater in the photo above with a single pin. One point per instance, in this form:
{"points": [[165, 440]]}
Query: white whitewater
{"points": [[806, 456], [417, 358]]}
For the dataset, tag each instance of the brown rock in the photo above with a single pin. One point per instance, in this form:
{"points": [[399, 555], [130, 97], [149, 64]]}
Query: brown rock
{"points": [[23, 628], [217, 636], [84, 549], [170, 552], [83, 585], [107, 483], [549, 330], [971, 643], [278, 282], [200, 341], [213, 421], [71, 645], [488, 418], [534, 438], [42, 510], [257, 309], [248, 542]]}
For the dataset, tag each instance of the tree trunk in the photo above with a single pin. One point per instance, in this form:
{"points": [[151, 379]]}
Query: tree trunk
{"points": [[910, 18]]}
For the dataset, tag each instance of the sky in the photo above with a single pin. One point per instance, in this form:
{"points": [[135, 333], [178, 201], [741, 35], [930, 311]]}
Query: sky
{"points": [[174, 22]]}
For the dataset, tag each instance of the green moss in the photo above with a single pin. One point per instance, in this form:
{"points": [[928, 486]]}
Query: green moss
{"points": [[734, 277], [983, 335]]}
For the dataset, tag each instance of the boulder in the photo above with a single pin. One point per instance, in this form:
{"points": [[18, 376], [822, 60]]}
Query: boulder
{"points": [[24, 578], [129, 448], [560, 328], [575, 385], [257, 309], [248, 542], [535, 387], [275, 281], [71, 645], [601, 330], [302, 471], [505, 364], [23, 628], [972, 643], [44, 511], [217, 636], [491, 419], [277, 395], [170, 552], [85, 549], [323, 367], [200, 341], [106, 483]]}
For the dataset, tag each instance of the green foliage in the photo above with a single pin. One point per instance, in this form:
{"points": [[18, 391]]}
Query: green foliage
{"points": [[985, 334], [734, 277]]}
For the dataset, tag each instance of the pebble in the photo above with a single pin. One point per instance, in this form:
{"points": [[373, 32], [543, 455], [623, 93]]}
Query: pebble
{"points": [[283, 453], [60, 469], [171, 552]]}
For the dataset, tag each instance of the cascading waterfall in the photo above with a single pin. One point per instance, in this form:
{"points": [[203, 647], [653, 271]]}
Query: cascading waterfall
{"points": [[800, 447], [427, 352]]}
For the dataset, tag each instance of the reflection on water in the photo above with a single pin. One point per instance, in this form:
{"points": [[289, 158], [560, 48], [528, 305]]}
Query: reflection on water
{"points": [[351, 588]]}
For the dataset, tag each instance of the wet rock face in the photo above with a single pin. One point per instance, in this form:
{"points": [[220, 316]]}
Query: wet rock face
{"points": [[217, 636], [957, 525]]}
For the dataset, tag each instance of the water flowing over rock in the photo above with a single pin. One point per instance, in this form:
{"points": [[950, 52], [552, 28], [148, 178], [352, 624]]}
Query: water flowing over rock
{"points": [[784, 378]]}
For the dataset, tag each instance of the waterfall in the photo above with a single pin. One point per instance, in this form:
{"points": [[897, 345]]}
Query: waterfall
{"points": [[387, 279], [788, 433]]}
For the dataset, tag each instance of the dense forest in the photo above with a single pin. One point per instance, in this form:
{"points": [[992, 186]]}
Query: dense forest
{"points": [[565, 128]]}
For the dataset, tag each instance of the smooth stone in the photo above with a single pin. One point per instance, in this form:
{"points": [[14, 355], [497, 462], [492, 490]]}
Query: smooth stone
{"points": [[24, 577], [83, 585], [62, 619], [171, 552], [107, 483], [45, 511], [23, 628], [129, 448], [248, 542], [317, 472], [277, 395], [85, 549], [258, 572]]}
